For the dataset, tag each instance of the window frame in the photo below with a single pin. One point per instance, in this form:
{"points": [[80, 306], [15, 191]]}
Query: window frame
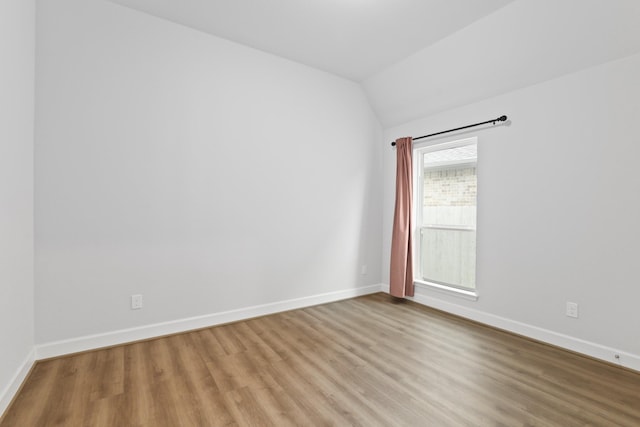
{"points": [[418, 199]]}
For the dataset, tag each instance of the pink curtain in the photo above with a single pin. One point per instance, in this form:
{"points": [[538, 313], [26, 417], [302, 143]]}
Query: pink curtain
{"points": [[401, 280]]}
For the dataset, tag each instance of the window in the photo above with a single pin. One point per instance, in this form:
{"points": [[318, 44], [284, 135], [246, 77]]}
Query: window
{"points": [[446, 194]]}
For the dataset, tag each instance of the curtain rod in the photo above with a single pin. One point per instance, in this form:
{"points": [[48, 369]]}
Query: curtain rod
{"points": [[499, 119]]}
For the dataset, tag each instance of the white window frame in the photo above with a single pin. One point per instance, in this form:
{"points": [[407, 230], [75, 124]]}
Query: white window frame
{"points": [[418, 200]]}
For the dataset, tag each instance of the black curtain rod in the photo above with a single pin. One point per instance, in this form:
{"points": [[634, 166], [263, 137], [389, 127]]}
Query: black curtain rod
{"points": [[499, 119]]}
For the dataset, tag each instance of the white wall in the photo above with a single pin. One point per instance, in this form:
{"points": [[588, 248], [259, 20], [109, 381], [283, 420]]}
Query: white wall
{"points": [[558, 209], [202, 174], [17, 52]]}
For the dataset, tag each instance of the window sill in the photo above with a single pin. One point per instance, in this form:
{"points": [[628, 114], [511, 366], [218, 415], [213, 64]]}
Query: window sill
{"points": [[460, 293]]}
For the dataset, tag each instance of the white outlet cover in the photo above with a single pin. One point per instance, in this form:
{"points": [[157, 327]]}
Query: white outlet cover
{"points": [[136, 302], [572, 309]]}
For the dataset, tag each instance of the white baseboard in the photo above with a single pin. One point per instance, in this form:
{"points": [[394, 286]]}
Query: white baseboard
{"points": [[16, 381], [91, 342], [627, 360]]}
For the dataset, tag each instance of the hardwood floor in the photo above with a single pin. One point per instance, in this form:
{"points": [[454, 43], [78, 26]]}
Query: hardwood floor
{"points": [[369, 361]]}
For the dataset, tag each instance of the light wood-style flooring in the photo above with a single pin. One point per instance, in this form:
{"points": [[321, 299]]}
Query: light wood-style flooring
{"points": [[368, 361]]}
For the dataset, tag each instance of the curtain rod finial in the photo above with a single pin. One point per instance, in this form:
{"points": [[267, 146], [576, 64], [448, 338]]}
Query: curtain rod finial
{"points": [[500, 119]]}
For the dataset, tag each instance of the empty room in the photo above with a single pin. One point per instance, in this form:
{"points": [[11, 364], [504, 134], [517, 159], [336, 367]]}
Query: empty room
{"points": [[319, 213]]}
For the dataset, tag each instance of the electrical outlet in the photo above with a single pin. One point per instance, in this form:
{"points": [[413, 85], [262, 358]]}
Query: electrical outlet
{"points": [[363, 270], [136, 302], [572, 309]]}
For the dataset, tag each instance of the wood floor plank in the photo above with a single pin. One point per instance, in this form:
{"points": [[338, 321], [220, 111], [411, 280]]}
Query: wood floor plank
{"points": [[368, 361]]}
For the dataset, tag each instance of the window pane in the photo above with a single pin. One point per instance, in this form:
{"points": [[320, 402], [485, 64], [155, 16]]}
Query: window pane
{"points": [[447, 214], [450, 196], [449, 257]]}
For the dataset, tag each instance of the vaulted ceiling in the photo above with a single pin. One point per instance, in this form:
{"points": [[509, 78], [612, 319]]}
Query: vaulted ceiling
{"points": [[415, 58], [351, 38]]}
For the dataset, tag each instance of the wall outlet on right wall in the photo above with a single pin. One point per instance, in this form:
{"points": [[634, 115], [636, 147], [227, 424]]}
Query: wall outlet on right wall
{"points": [[136, 302], [572, 309]]}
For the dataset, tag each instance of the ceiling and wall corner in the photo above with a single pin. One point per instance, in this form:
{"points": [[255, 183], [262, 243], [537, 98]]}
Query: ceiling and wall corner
{"points": [[416, 58], [524, 43], [351, 38]]}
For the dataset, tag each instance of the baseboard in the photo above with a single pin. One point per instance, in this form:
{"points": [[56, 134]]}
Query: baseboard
{"points": [[6, 396], [587, 348], [91, 342]]}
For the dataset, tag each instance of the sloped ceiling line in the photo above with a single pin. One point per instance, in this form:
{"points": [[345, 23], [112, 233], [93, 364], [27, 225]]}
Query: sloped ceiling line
{"points": [[416, 58]]}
